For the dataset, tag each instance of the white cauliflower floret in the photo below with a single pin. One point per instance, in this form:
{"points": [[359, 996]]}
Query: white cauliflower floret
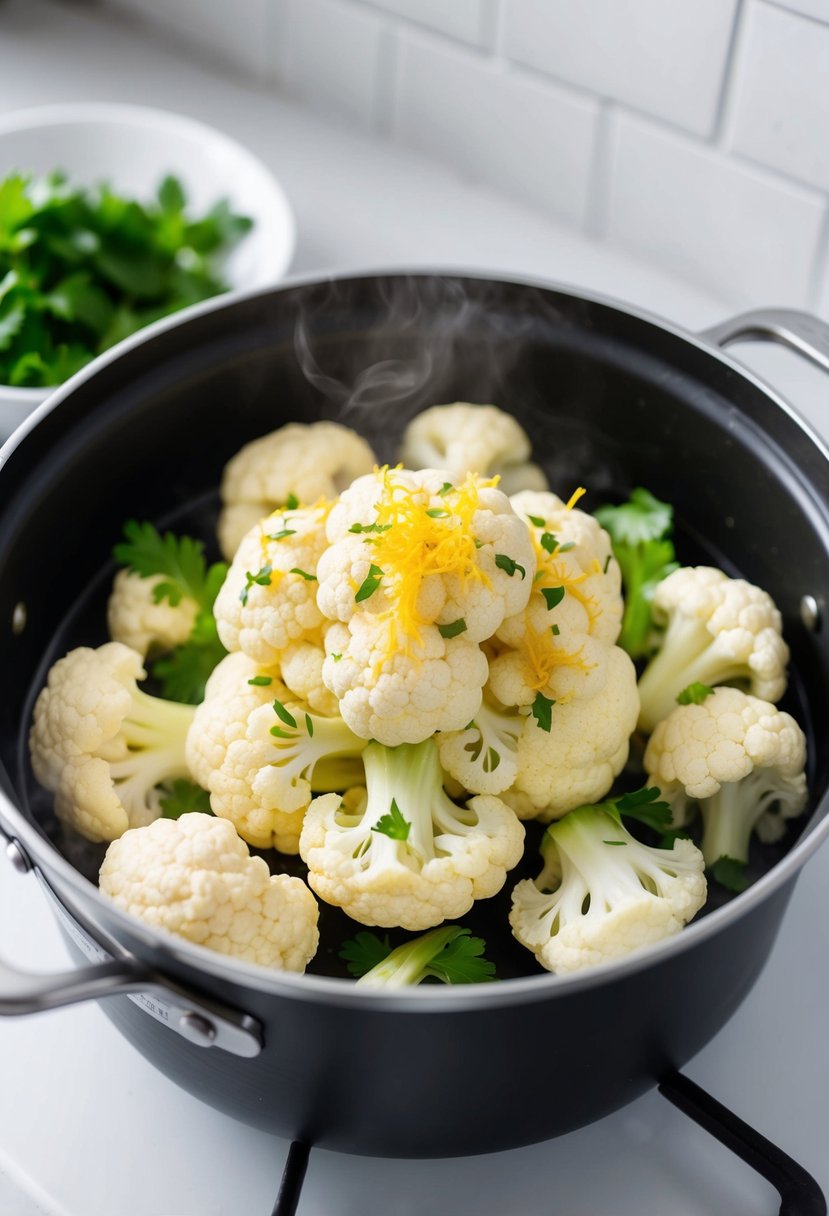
{"points": [[235, 689], [574, 551], [403, 698], [484, 758], [602, 894], [301, 664], [194, 877], [741, 759], [268, 599], [303, 461], [717, 630], [102, 745], [137, 619], [464, 438], [269, 774], [413, 858], [426, 572], [586, 747]]}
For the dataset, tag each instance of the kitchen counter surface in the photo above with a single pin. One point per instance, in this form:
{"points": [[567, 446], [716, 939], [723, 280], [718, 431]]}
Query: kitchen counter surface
{"points": [[87, 1127]]}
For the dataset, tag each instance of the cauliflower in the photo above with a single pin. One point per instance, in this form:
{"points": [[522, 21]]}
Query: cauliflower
{"points": [[413, 858], [587, 746], [268, 599], [301, 664], [558, 645], [235, 689], [602, 894], [142, 622], [741, 759], [484, 758], [266, 778], [301, 461], [717, 630], [102, 745], [463, 438], [419, 573], [194, 877]]}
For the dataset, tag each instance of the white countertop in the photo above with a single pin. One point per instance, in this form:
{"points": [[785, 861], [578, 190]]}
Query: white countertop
{"points": [[87, 1126]]}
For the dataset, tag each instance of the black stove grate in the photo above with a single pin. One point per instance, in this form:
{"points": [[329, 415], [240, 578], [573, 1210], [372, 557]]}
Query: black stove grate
{"points": [[799, 1193]]}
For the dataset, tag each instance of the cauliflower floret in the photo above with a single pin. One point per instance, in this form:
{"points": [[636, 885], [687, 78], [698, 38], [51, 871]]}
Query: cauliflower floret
{"points": [[235, 689], [413, 858], [464, 438], [587, 746], [741, 759], [573, 551], [403, 698], [301, 664], [602, 894], [425, 573], [269, 774], [268, 599], [143, 623], [305, 461], [102, 745], [484, 758], [717, 630], [194, 877]]}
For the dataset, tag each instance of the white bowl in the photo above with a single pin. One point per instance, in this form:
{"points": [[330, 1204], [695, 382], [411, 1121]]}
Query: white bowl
{"points": [[133, 148]]}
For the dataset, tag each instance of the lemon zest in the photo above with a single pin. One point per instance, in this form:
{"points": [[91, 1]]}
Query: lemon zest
{"points": [[574, 498]]}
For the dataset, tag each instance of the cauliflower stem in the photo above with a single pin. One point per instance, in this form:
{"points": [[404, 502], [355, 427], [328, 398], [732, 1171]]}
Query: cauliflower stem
{"points": [[739, 807], [154, 732]]}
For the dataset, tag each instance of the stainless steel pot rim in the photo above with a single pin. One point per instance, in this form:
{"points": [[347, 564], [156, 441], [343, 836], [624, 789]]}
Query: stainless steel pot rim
{"points": [[331, 990]]}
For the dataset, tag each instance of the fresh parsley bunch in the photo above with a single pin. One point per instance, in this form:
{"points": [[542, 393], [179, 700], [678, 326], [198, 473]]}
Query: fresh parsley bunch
{"points": [[82, 268]]}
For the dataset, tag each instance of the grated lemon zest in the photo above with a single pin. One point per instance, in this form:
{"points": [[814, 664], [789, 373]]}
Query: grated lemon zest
{"points": [[541, 658], [574, 498]]}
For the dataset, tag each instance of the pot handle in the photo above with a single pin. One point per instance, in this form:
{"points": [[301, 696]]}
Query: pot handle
{"points": [[800, 331], [201, 1020]]}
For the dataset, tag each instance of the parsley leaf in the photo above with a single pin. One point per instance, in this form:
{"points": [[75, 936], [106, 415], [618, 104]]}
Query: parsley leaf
{"points": [[364, 951], [729, 873], [182, 798], [542, 711], [645, 805], [393, 825], [508, 564], [553, 596], [179, 559], [694, 694], [449, 954], [452, 630], [369, 584]]}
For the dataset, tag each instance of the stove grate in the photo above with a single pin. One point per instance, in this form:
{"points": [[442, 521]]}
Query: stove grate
{"points": [[799, 1193]]}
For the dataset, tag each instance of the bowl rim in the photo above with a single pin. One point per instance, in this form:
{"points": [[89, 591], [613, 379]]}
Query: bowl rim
{"points": [[331, 990], [116, 113]]}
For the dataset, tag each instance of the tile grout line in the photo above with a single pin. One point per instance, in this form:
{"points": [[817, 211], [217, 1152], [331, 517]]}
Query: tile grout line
{"points": [[728, 89]]}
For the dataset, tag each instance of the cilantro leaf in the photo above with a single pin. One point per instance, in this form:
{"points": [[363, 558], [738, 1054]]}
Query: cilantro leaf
{"points": [[184, 672], [645, 805], [461, 961], [449, 954], [393, 825], [179, 559], [182, 798], [729, 873]]}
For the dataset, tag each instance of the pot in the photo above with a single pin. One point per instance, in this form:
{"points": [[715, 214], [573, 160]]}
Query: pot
{"points": [[611, 399]]}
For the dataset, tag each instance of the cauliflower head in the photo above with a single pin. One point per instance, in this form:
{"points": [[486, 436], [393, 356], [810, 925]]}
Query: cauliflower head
{"points": [[103, 746], [412, 858], [236, 687], [602, 894], [269, 774], [301, 663], [464, 438], [302, 461], [585, 749], [420, 571], [741, 759], [195, 878], [268, 599], [716, 630], [137, 619]]}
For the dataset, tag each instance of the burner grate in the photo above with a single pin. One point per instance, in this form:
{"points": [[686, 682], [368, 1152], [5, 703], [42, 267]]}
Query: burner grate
{"points": [[799, 1193]]}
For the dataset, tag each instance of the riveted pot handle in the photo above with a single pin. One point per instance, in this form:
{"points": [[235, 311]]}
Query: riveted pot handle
{"points": [[800, 331], [201, 1019]]}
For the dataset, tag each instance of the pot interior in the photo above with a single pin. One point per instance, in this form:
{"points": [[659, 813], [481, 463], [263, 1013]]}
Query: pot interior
{"points": [[610, 401]]}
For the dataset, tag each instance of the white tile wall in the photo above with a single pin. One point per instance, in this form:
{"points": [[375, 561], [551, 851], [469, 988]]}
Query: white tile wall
{"points": [[233, 33], [333, 57], [725, 225], [497, 125], [693, 131], [469, 20], [663, 56], [781, 93]]}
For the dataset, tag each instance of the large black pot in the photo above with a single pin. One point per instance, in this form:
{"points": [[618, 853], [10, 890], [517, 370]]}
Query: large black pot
{"points": [[612, 399]]}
